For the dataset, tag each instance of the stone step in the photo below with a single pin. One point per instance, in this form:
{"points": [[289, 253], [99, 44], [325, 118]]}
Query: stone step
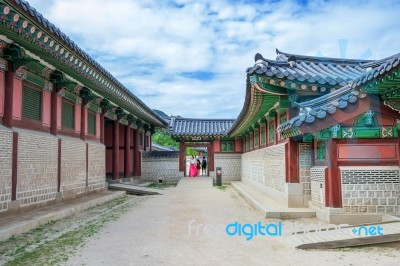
{"points": [[133, 189], [268, 206]]}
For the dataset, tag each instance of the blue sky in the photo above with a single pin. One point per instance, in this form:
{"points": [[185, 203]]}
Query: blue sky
{"points": [[188, 57]]}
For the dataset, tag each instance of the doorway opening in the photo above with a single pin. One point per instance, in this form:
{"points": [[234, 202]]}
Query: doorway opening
{"points": [[198, 156]]}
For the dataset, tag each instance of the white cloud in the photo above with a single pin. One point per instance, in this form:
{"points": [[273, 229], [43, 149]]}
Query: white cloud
{"points": [[147, 45]]}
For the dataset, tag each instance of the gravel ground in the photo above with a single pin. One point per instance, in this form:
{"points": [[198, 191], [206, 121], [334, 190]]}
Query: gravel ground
{"points": [[185, 226], [157, 233]]}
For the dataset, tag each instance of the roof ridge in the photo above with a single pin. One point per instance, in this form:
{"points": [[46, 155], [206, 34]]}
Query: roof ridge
{"points": [[203, 119], [324, 59]]}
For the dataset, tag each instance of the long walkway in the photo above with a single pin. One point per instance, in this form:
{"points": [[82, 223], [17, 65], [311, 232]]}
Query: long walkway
{"points": [[186, 226]]}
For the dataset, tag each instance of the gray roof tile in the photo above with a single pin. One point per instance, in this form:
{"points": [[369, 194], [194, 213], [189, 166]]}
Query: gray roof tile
{"points": [[334, 71], [316, 70], [199, 127]]}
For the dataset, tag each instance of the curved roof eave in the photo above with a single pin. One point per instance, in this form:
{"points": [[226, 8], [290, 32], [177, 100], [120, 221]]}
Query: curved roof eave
{"points": [[50, 29]]}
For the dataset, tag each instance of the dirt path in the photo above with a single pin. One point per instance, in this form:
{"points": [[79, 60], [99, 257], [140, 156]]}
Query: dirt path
{"points": [[156, 232]]}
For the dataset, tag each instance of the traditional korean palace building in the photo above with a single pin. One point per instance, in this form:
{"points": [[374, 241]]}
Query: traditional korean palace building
{"points": [[65, 122], [315, 132]]}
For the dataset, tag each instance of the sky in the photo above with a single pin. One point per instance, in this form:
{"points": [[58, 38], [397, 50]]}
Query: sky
{"points": [[189, 57]]}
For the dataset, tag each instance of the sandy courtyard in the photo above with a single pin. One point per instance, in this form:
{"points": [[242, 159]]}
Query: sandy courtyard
{"points": [[178, 228]]}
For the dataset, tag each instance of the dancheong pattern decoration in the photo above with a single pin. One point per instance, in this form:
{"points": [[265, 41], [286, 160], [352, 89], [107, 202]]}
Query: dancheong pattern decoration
{"points": [[39, 38], [325, 92]]}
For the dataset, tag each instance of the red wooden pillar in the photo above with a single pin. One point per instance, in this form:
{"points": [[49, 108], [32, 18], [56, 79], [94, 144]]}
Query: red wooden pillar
{"points": [[275, 127], [84, 115], [46, 108], [56, 112], [211, 154], [333, 184], [182, 161], [2, 90], [127, 157], [102, 128], [137, 169], [115, 151], [12, 97], [238, 145], [8, 98], [292, 161]]}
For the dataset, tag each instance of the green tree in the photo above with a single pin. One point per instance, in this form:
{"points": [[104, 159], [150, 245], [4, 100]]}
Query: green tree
{"points": [[161, 137], [190, 151]]}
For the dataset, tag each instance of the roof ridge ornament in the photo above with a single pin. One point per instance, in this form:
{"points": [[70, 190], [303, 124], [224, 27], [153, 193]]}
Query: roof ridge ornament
{"points": [[260, 60], [292, 61]]}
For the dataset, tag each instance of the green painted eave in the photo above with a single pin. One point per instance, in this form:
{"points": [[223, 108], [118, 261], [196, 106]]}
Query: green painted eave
{"points": [[94, 79], [259, 107]]}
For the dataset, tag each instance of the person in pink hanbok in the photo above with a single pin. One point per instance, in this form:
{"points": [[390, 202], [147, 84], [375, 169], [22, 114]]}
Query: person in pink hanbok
{"points": [[193, 169]]}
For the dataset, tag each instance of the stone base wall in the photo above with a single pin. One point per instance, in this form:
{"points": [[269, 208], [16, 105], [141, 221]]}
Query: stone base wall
{"points": [[37, 168], [318, 186], [97, 166], [73, 167], [230, 164], [265, 167], [371, 189], [6, 138], [37, 163], [160, 165]]}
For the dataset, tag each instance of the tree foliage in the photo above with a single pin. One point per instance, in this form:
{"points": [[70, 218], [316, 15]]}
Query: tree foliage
{"points": [[162, 138], [190, 151]]}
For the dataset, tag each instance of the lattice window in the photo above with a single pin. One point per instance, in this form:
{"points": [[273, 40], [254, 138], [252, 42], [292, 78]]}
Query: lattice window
{"points": [[271, 131], [318, 174], [227, 146], [256, 138], [31, 104], [321, 151], [68, 115], [263, 135], [91, 123]]}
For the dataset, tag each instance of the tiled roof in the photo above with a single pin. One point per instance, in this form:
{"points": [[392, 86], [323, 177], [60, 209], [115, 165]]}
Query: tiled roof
{"points": [[376, 69], [160, 154], [308, 69], [158, 147], [322, 106], [199, 127], [343, 97]]}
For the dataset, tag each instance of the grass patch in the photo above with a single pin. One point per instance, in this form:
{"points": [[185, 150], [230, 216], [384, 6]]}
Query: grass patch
{"points": [[53, 243], [223, 187]]}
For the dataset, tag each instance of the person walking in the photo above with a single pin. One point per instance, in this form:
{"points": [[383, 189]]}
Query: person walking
{"points": [[193, 168], [198, 166], [204, 166]]}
